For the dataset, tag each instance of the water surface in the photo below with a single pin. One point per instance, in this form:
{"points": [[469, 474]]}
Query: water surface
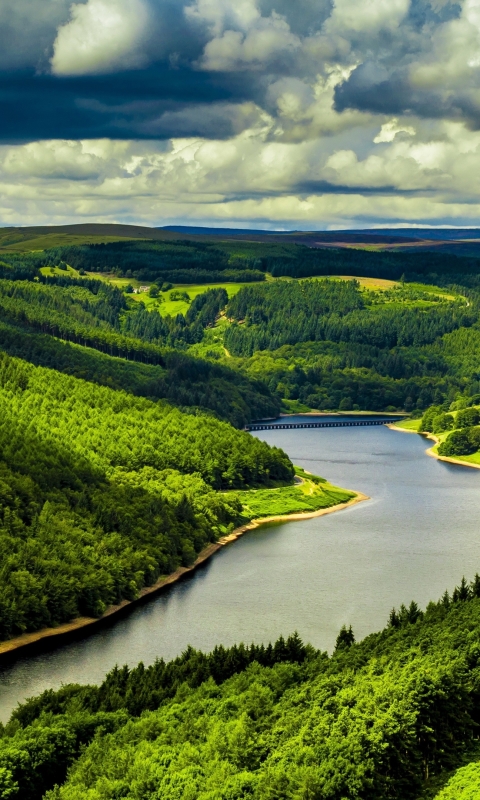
{"points": [[417, 536]]}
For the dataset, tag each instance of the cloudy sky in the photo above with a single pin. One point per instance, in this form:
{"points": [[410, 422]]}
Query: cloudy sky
{"points": [[307, 114]]}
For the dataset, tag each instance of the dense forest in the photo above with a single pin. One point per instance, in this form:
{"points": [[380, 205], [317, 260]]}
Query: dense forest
{"points": [[214, 259], [177, 261], [133, 349], [427, 266], [204, 260], [330, 345], [387, 718], [293, 312], [102, 492], [338, 346]]}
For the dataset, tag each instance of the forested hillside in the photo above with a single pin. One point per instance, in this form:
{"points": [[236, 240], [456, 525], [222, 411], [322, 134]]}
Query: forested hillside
{"points": [[325, 344], [293, 312], [209, 259], [176, 261], [384, 719], [136, 347], [331, 345], [118, 465], [102, 492]]}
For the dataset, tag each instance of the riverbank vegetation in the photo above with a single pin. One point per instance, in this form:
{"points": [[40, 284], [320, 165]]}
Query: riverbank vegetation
{"points": [[310, 494], [456, 427], [412, 425], [388, 718]]}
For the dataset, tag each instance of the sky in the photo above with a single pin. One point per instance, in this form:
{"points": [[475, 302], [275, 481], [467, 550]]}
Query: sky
{"points": [[284, 114]]}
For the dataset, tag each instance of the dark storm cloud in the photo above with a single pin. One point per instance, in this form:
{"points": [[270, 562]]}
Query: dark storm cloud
{"points": [[309, 187], [157, 102], [442, 38], [422, 12], [371, 89], [27, 31], [180, 92]]}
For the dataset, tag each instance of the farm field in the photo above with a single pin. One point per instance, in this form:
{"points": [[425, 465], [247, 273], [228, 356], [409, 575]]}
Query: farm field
{"points": [[162, 304], [165, 306]]}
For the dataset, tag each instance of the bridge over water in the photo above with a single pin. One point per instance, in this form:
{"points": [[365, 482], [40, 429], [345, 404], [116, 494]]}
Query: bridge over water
{"points": [[340, 423]]}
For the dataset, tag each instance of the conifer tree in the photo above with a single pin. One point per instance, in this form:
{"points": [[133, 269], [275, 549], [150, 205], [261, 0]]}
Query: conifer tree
{"points": [[345, 638]]}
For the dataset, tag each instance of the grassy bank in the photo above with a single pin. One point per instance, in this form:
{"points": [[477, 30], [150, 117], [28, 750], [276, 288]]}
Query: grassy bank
{"points": [[308, 495], [439, 437], [469, 460], [412, 425]]}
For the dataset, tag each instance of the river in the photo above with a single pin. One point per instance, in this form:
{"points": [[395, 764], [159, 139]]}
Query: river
{"points": [[416, 537]]}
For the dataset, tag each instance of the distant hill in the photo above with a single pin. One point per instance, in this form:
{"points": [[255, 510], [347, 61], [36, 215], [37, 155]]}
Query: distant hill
{"points": [[445, 234], [458, 241], [44, 236], [189, 230]]}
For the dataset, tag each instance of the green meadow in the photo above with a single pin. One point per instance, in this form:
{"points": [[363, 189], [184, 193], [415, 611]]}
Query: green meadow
{"points": [[167, 307], [309, 494]]}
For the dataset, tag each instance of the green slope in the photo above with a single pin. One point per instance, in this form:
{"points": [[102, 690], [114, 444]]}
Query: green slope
{"points": [[384, 719]]}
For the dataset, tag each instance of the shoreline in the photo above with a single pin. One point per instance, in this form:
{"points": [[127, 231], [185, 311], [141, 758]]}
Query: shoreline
{"points": [[430, 452], [399, 414], [283, 415], [46, 638]]}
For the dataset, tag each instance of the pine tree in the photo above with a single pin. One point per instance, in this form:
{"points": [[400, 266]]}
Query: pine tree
{"points": [[393, 620], [414, 612], [475, 586], [345, 638], [463, 591]]}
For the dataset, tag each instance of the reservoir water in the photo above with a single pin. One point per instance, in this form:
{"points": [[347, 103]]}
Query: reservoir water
{"points": [[417, 535]]}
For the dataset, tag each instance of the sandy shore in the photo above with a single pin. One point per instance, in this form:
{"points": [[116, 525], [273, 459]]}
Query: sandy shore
{"points": [[21, 645], [430, 451]]}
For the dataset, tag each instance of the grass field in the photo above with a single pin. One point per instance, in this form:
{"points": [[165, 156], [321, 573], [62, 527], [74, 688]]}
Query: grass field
{"points": [[375, 284], [162, 304], [67, 273], [295, 407], [436, 290], [168, 307], [21, 240], [409, 425], [310, 494], [472, 459], [382, 285], [38, 243]]}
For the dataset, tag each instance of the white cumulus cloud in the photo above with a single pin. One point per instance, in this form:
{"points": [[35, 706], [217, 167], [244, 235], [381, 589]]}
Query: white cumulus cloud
{"points": [[366, 16], [233, 50], [102, 36], [221, 14], [390, 129]]}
